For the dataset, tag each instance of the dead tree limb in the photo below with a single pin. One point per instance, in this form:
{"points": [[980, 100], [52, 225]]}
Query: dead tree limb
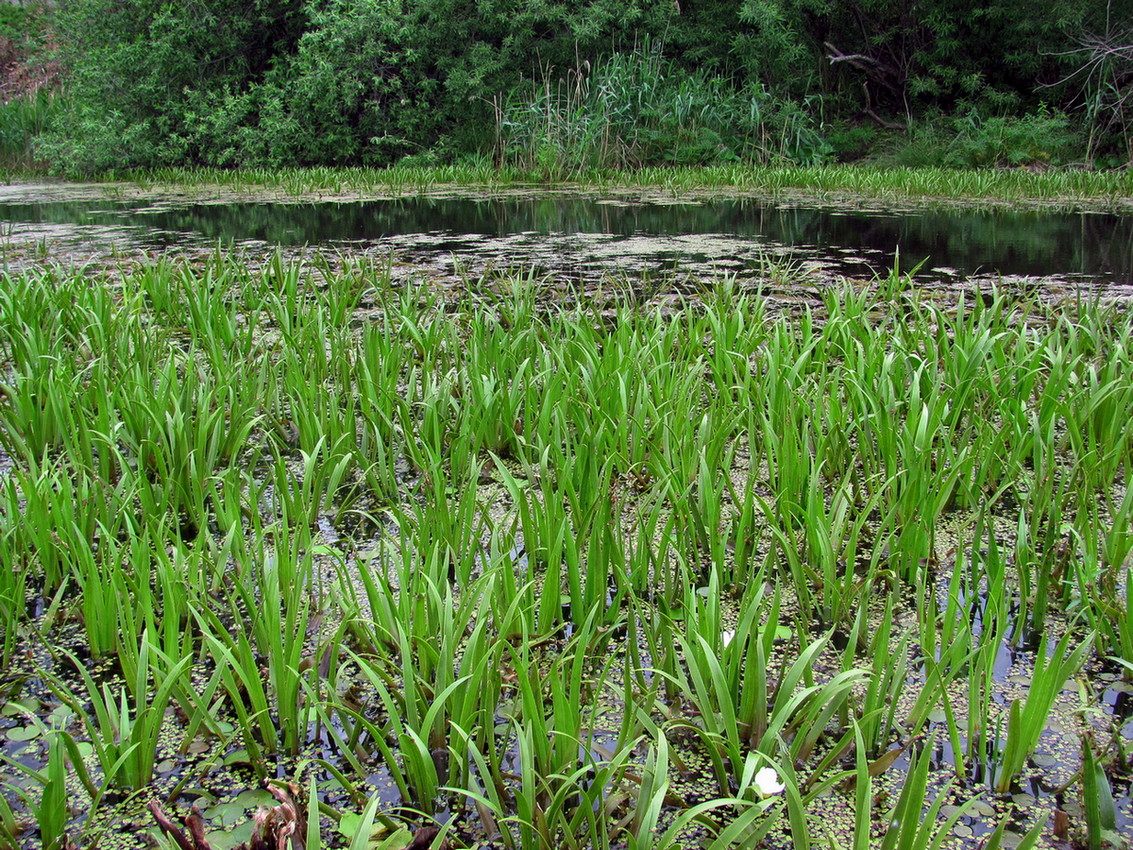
{"points": [[882, 73]]}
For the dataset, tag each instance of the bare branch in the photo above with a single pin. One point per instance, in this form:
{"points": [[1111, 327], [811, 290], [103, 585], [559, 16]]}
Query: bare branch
{"points": [[878, 71], [888, 125], [836, 56]]}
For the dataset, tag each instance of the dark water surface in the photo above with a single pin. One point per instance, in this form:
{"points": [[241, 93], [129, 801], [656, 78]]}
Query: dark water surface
{"points": [[962, 241]]}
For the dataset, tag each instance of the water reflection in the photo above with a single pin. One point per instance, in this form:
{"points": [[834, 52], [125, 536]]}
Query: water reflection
{"points": [[1028, 242]]}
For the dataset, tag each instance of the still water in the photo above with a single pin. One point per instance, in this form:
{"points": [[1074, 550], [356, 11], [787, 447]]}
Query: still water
{"points": [[725, 234]]}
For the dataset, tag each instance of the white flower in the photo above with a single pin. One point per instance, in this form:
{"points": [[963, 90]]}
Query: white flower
{"points": [[767, 781], [727, 635]]}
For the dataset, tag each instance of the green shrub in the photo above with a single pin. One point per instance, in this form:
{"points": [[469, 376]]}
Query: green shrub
{"points": [[852, 142], [306, 82], [1036, 138], [970, 140]]}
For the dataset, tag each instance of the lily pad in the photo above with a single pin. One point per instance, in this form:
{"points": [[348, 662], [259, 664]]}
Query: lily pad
{"points": [[1011, 840], [254, 797], [225, 814], [237, 757], [228, 840], [19, 707], [982, 809], [24, 733]]}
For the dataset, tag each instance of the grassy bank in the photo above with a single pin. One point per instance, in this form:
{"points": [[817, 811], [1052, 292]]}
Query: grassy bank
{"points": [[1064, 188], [547, 574]]}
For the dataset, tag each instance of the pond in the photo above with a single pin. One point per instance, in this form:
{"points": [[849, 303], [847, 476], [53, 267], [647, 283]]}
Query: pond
{"points": [[897, 529], [586, 234]]}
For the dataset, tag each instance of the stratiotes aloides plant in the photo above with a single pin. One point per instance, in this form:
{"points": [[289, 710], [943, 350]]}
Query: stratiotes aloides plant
{"points": [[741, 706], [1027, 718]]}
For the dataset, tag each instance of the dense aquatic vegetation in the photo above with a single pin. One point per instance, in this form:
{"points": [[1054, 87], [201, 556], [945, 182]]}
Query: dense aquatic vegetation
{"points": [[552, 566]]}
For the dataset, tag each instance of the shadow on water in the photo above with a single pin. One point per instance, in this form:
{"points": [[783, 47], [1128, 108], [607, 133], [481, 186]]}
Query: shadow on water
{"points": [[962, 241]]}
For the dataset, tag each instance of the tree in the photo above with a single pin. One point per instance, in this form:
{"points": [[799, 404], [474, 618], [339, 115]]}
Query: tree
{"points": [[144, 75]]}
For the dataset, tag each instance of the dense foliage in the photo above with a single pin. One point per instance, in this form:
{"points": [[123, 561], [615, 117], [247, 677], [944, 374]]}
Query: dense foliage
{"points": [[563, 85], [28, 77]]}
